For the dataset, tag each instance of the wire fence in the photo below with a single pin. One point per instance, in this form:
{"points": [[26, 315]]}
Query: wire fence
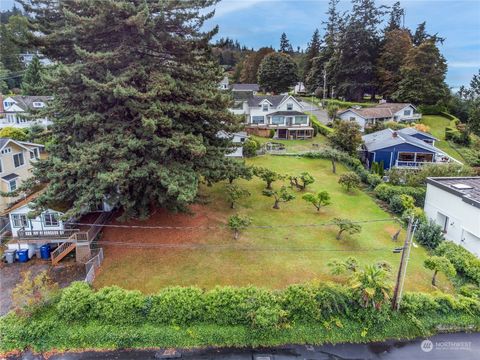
{"points": [[92, 265]]}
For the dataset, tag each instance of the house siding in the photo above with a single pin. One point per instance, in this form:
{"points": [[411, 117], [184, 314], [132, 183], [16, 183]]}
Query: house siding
{"points": [[389, 155]]}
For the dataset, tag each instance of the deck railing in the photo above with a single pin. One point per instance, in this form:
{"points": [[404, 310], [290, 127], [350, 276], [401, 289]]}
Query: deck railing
{"points": [[23, 234]]}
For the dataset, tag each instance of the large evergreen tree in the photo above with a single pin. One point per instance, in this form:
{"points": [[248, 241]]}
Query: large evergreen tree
{"points": [[423, 76], [32, 82], [396, 45], [277, 73], [285, 46], [358, 49], [249, 71], [396, 17], [313, 50], [136, 108]]}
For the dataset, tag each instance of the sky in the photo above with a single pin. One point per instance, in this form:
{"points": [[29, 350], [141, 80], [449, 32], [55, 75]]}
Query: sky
{"points": [[257, 23]]}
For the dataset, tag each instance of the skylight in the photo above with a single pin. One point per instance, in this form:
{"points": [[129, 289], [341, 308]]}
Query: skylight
{"points": [[462, 186]]}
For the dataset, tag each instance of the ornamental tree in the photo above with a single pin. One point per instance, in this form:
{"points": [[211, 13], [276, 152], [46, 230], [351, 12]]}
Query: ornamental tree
{"points": [[439, 263], [349, 181], [282, 195], [301, 181], [318, 200], [267, 175], [237, 223], [139, 83], [235, 193], [346, 226]]}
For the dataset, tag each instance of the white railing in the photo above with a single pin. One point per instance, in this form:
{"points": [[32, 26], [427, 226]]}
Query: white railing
{"points": [[92, 265], [410, 164]]}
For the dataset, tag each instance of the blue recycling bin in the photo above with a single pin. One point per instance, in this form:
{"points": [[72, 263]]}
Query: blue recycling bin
{"points": [[45, 251], [22, 255]]}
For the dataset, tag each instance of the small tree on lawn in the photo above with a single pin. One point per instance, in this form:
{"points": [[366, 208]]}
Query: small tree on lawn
{"points": [[237, 223], [429, 234], [338, 267], [235, 193], [267, 175], [302, 181], [439, 263], [282, 195], [346, 226], [349, 181], [318, 200]]}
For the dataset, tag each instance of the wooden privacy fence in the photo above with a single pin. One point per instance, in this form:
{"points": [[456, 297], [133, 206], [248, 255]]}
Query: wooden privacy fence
{"points": [[92, 265]]}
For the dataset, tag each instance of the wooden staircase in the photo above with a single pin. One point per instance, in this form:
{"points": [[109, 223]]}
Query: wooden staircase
{"points": [[63, 250]]}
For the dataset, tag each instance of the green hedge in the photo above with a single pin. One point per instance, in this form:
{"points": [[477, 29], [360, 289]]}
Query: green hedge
{"points": [[466, 264], [319, 127], [386, 192]]}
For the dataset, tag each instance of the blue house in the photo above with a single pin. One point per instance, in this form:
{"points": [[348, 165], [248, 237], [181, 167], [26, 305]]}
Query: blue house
{"points": [[407, 148]]}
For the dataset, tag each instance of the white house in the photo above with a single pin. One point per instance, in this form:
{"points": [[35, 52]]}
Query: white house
{"points": [[224, 84], [16, 111], [382, 112], [237, 139], [299, 88], [454, 204], [281, 113]]}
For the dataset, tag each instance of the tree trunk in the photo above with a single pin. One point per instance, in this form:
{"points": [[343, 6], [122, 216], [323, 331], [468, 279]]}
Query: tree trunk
{"points": [[339, 235], [269, 185], [275, 206], [434, 278], [235, 234], [334, 166], [318, 207], [232, 205]]}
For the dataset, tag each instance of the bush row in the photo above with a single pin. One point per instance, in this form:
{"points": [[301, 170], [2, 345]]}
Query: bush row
{"points": [[463, 260], [386, 192], [258, 308], [319, 127]]}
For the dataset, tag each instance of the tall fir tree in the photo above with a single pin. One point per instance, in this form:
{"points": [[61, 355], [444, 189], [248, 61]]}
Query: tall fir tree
{"points": [[395, 20], [285, 46], [358, 51], [423, 76], [249, 71], [313, 51], [136, 110], [32, 81]]}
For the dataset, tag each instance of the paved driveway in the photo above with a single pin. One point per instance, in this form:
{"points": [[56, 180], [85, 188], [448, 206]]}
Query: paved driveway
{"points": [[315, 110]]}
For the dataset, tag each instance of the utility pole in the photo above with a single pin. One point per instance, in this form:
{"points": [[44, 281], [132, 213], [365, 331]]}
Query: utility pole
{"points": [[324, 86], [402, 270]]}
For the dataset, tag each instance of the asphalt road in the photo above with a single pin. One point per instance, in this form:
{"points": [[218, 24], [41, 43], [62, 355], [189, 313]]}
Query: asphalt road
{"points": [[315, 110], [458, 346]]}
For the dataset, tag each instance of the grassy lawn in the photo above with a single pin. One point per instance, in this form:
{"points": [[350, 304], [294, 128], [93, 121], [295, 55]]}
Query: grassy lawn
{"points": [[270, 257], [296, 145], [437, 126]]}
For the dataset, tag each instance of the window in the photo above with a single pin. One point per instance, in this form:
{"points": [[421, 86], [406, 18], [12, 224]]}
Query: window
{"points": [[18, 159], [19, 220], [34, 153], [278, 120], [7, 150], [50, 219], [352, 118], [407, 112], [11, 118], [301, 120], [257, 119], [265, 107], [290, 106], [424, 157], [12, 185], [38, 104], [406, 156]]}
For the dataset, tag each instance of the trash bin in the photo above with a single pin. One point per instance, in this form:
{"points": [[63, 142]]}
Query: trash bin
{"points": [[45, 252], [10, 256], [22, 255]]}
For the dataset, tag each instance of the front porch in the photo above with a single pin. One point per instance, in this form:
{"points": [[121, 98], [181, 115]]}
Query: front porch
{"points": [[294, 133]]}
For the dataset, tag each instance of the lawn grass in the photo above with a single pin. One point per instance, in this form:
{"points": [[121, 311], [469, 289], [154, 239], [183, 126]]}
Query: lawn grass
{"points": [[269, 257], [293, 146], [437, 125]]}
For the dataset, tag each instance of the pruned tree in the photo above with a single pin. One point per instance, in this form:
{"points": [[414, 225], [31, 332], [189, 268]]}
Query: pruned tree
{"points": [[238, 223], [301, 181], [437, 264], [339, 267], [349, 180], [282, 195], [235, 193], [267, 175], [346, 226], [318, 200]]}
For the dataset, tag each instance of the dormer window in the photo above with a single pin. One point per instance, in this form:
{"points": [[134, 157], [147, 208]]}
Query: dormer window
{"points": [[289, 106], [265, 107], [38, 104]]}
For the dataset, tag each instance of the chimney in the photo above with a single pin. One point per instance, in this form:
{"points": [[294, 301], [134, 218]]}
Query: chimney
{"points": [[394, 134]]}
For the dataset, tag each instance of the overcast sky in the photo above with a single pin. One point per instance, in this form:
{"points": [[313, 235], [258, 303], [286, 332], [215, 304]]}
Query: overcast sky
{"points": [[257, 23]]}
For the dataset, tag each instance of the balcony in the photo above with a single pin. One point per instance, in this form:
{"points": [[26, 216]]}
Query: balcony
{"points": [[26, 235]]}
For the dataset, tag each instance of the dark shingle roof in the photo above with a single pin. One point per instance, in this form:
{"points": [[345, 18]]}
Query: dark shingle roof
{"points": [[245, 87], [467, 188], [412, 131], [275, 100], [379, 111], [387, 138], [10, 177], [26, 102]]}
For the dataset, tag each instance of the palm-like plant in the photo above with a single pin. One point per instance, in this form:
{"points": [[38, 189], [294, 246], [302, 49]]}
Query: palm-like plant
{"points": [[372, 286]]}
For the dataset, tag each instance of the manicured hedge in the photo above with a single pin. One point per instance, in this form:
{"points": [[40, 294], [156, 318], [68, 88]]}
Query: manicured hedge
{"points": [[464, 261], [386, 192]]}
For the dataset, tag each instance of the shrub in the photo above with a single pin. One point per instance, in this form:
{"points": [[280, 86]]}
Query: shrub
{"points": [[418, 303], [300, 301], [464, 261], [118, 306], [373, 180], [429, 234], [76, 302], [177, 305], [385, 192], [250, 147], [400, 203], [271, 133], [436, 109], [267, 318], [13, 133], [349, 181]]}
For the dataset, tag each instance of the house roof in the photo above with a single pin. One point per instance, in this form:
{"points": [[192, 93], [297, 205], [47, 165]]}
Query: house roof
{"points": [[387, 138], [385, 110], [412, 131], [286, 113], [23, 144], [275, 100], [245, 87], [467, 188], [26, 102]]}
